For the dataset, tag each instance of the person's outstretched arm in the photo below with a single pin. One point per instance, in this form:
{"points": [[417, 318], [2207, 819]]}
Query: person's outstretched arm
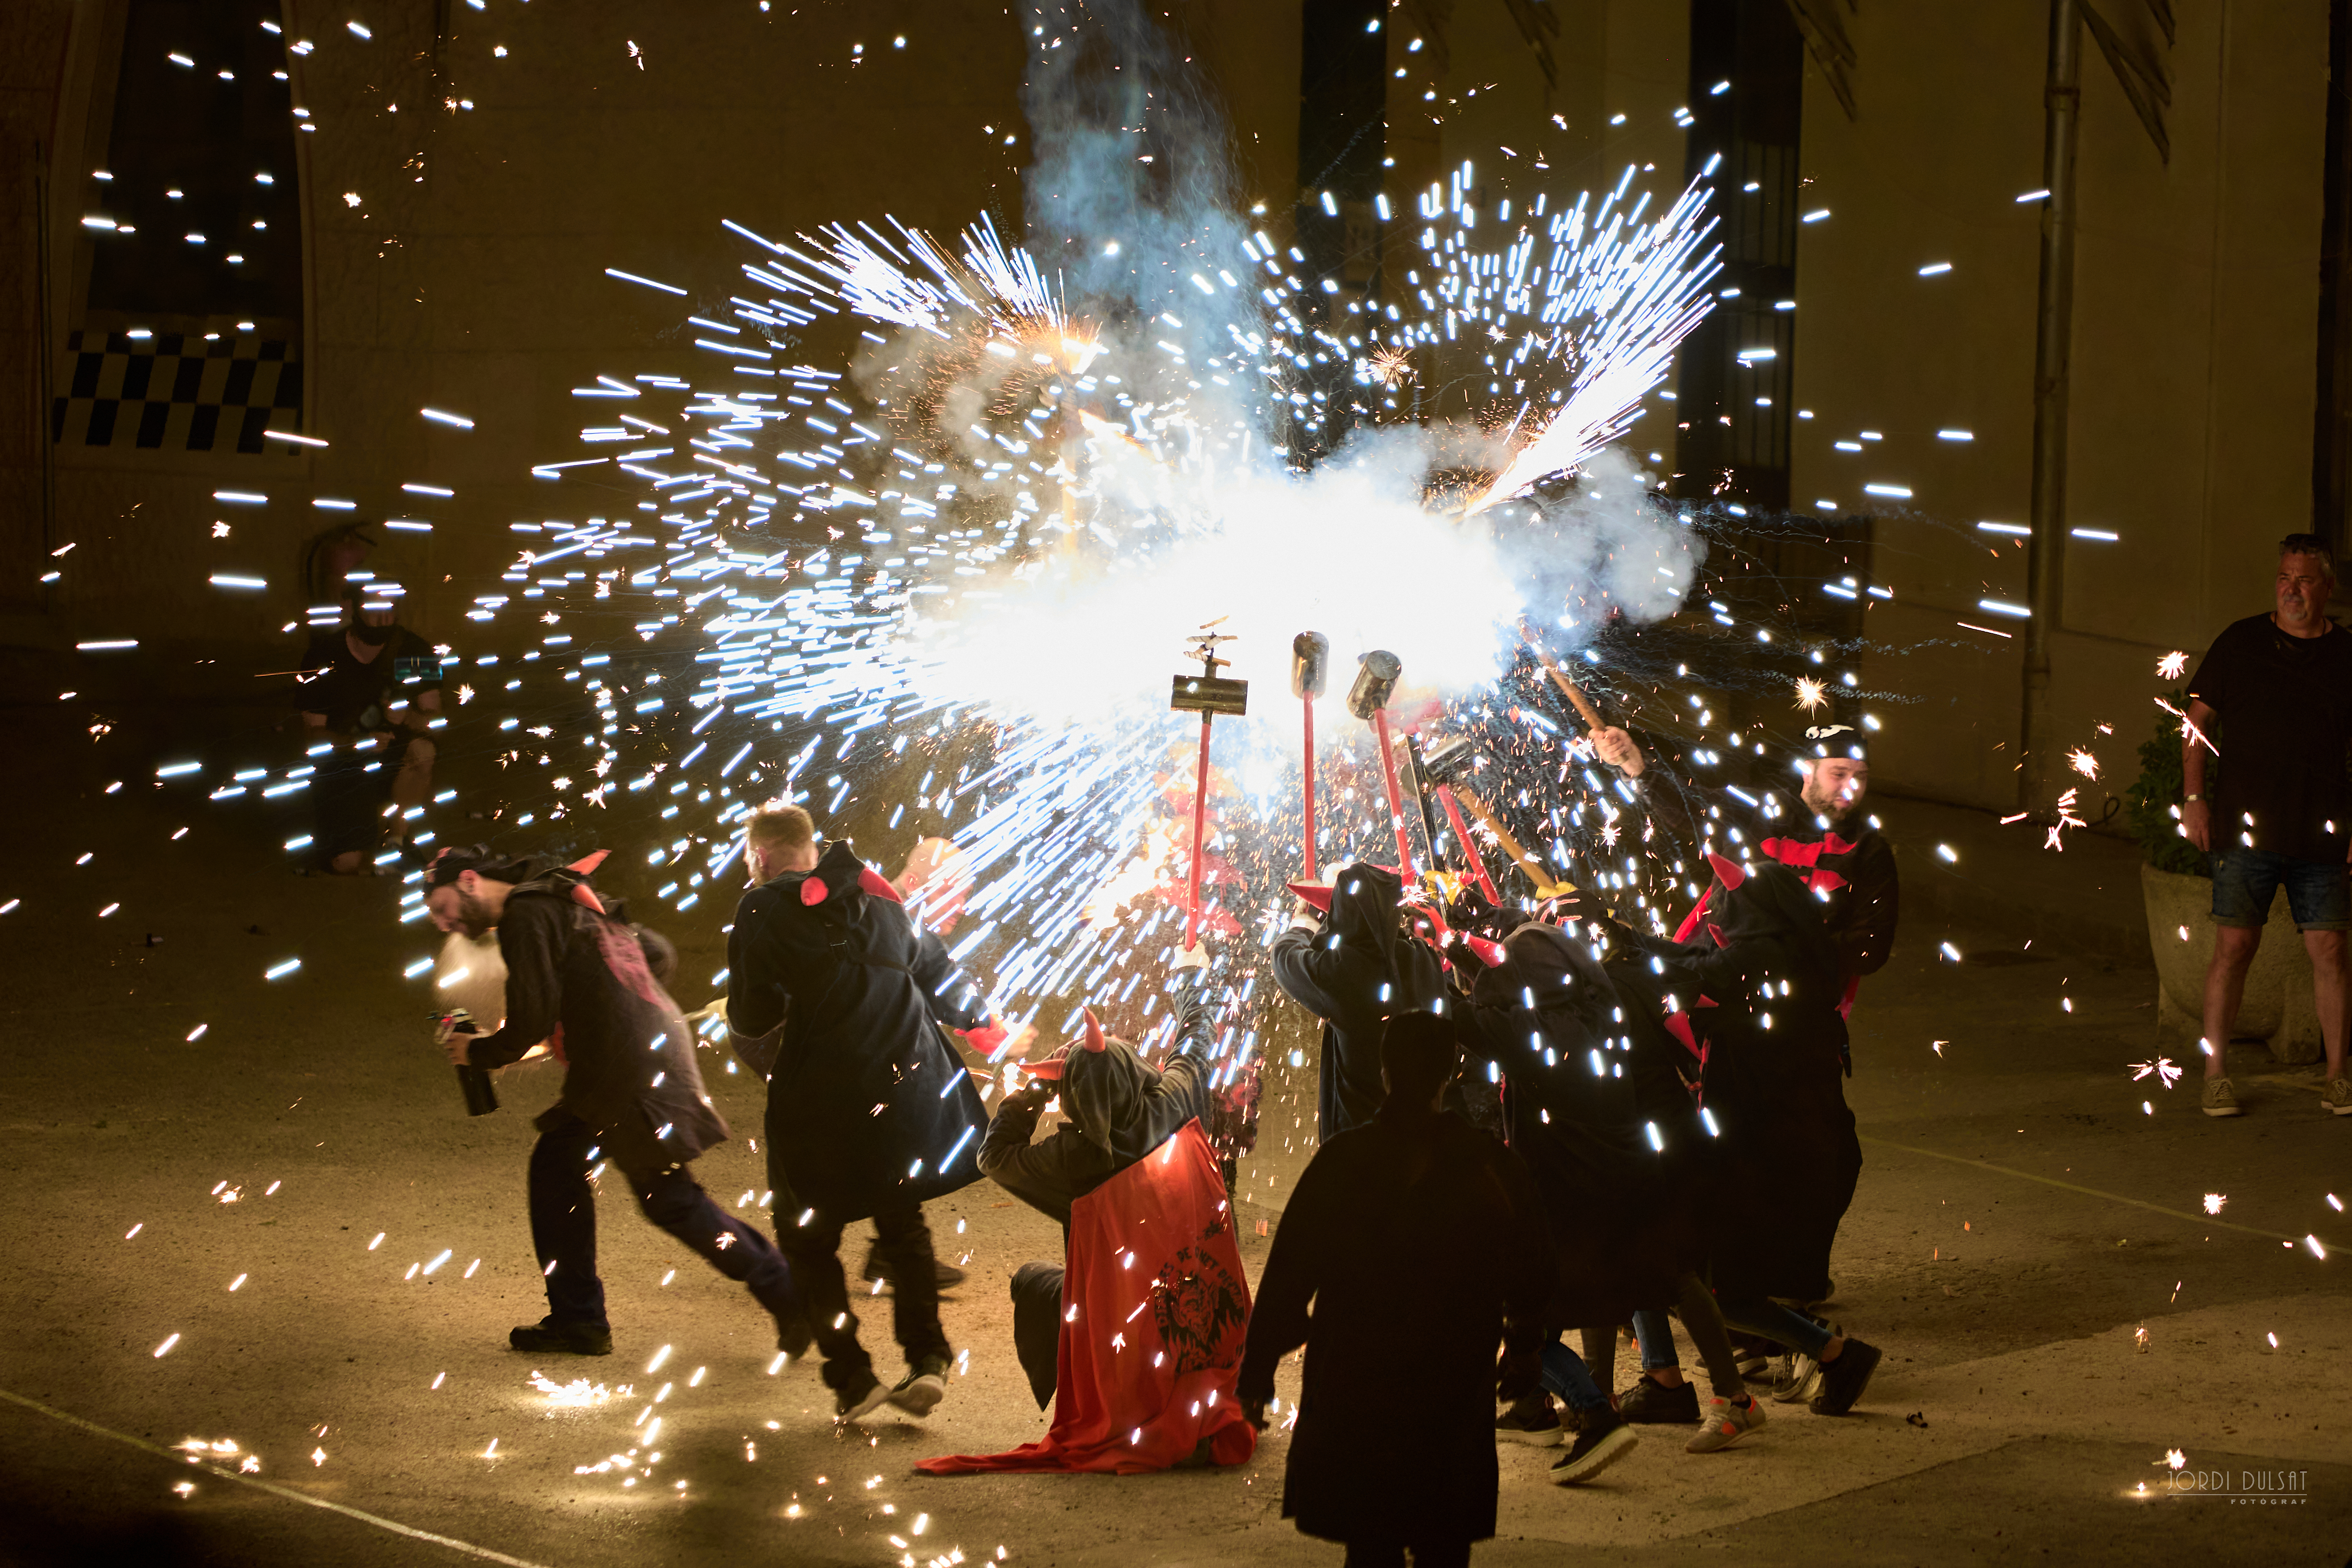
{"points": [[531, 940]]}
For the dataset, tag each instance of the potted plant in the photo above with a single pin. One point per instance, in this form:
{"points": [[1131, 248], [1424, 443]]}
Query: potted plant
{"points": [[2177, 887]]}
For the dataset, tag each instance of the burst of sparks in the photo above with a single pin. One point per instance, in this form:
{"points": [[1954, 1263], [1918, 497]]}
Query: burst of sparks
{"points": [[2083, 762], [2172, 666], [2162, 1069], [2213, 1201], [2187, 728], [1811, 693]]}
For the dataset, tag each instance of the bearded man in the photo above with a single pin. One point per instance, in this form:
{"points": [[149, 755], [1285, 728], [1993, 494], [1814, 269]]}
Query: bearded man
{"points": [[1821, 834], [577, 978]]}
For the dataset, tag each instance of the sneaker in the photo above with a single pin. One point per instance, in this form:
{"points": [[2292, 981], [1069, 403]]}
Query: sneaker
{"points": [[1652, 1402], [925, 1384], [1606, 1438], [1532, 1421], [2337, 1095], [1797, 1379], [1727, 1423], [556, 1336], [858, 1400], [1801, 1375], [2220, 1100], [1754, 1355], [1845, 1379], [878, 1267]]}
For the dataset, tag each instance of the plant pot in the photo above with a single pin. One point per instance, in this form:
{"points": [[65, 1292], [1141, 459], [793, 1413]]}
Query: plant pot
{"points": [[2277, 1009]]}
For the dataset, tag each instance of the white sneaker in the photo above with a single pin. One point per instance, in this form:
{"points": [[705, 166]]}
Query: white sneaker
{"points": [[1722, 1423]]}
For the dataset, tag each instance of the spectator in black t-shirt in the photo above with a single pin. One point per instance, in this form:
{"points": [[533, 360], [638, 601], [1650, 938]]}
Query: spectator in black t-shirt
{"points": [[2274, 697], [373, 685]]}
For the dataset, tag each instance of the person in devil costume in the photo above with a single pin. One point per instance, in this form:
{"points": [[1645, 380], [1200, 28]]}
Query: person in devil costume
{"points": [[1119, 1108], [1146, 1223], [577, 978], [1347, 958], [1756, 994], [835, 997], [1821, 833], [1417, 1239], [1602, 1134]]}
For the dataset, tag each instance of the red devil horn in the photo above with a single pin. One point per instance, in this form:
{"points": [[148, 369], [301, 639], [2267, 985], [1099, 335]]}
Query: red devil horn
{"points": [[587, 863], [1489, 954], [1094, 1041], [1317, 895], [1727, 872], [874, 883], [812, 892]]}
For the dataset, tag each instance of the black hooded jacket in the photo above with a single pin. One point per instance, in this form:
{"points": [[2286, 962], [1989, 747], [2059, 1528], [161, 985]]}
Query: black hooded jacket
{"points": [[1355, 973], [1848, 862], [1550, 1018], [867, 1106], [1119, 1108], [1786, 1159], [577, 976]]}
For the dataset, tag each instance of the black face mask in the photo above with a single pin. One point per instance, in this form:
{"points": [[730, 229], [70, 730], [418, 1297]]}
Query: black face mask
{"points": [[375, 637]]}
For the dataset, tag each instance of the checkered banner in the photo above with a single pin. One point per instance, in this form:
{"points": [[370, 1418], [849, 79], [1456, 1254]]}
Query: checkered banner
{"points": [[175, 391]]}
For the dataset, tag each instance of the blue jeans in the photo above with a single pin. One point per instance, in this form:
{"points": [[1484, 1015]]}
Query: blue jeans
{"points": [[2245, 880], [1565, 1376], [1655, 1332], [1805, 1336]]}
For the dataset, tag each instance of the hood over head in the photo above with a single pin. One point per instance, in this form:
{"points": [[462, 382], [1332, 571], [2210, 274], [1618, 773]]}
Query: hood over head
{"points": [[1113, 1100], [1364, 903]]}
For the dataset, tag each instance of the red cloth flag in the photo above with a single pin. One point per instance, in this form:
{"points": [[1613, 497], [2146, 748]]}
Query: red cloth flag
{"points": [[1148, 1361]]}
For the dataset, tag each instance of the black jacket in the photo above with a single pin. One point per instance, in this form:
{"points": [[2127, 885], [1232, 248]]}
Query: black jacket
{"points": [[1550, 1018], [866, 1104], [1416, 1239], [1119, 1107], [1849, 863], [1355, 974], [578, 977], [1771, 1080]]}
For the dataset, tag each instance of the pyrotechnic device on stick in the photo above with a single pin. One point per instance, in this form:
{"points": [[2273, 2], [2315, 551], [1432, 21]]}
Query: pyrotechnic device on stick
{"points": [[1428, 814], [1430, 772], [1568, 688], [1376, 679], [1207, 694], [1450, 765], [1310, 661], [473, 1082]]}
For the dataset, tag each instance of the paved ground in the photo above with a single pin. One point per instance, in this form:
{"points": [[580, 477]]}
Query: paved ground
{"points": [[2021, 1219]]}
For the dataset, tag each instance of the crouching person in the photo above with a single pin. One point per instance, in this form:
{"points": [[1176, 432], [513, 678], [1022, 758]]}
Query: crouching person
{"points": [[1418, 1241], [1136, 1337]]}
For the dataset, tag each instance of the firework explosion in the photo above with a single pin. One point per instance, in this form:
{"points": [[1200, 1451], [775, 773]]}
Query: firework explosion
{"points": [[1028, 502]]}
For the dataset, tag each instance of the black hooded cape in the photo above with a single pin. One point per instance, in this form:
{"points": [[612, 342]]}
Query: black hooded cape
{"points": [[577, 976], [1550, 1018], [1355, 974], [1416, 1238], [1773, 1080]]}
